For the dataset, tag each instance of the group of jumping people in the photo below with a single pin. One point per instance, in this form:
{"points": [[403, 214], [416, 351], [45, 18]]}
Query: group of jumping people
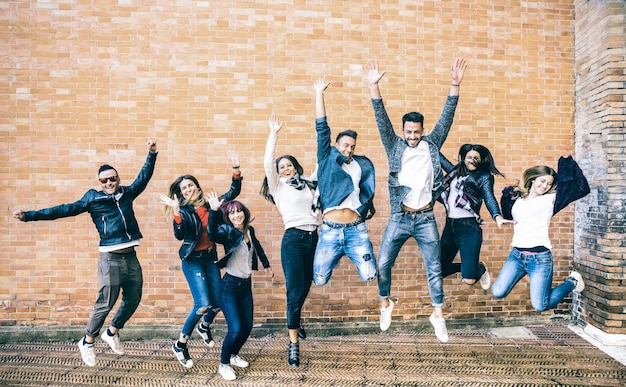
{"points": [[324, 216]]}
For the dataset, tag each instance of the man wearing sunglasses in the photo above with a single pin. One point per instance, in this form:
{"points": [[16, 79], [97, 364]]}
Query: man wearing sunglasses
{"points": [[111, 211]]}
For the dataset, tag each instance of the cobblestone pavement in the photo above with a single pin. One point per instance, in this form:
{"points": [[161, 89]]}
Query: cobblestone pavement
{"points": [[546, 355]]}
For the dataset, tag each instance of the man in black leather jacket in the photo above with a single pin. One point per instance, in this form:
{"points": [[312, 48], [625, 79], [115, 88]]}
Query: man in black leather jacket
{"points": [[112, 213]]}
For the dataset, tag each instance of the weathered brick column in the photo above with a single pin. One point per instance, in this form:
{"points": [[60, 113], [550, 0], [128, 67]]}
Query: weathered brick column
{"points": [[600, 245]]}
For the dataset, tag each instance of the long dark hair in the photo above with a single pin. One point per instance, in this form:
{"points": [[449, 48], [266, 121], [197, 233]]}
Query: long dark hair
{"points": [[486, 160], [265, 189], [235, 205], [175, 190]]}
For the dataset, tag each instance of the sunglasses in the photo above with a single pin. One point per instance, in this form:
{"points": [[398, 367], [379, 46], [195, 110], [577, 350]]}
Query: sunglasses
{"points": [[112, 179]]}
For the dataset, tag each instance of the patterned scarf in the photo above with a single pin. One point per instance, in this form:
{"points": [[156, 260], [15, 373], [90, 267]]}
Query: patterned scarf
{"points": [[298, 182]]}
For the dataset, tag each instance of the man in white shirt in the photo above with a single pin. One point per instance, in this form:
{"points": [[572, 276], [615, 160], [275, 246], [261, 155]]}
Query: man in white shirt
{"points": [[415, 182]]}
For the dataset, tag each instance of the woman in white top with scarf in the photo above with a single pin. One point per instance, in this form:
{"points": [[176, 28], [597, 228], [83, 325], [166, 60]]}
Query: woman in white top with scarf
{"points": [[293, 195]]}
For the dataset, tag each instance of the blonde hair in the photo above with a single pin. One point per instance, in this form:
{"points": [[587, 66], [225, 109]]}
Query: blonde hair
{"points": [[529, 176]]}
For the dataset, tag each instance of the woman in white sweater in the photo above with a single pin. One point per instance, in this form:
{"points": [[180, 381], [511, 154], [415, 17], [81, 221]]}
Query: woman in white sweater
{"points": [[293, 195]]}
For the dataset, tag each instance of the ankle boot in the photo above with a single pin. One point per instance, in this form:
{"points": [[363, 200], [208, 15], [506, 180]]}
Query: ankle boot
{"points": [[294, 354]]}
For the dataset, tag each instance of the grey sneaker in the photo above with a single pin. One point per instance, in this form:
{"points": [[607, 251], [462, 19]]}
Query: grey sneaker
{"points": [[206, 335], [440, 328], [113, 341], [182, 354], [238, 361], [485, 279], [227, 372], [578, 279], [385, 316], [87, 352]]}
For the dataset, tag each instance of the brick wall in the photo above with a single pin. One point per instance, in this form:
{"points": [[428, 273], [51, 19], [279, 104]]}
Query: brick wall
{"points": [[600, 248], [83, 84]]}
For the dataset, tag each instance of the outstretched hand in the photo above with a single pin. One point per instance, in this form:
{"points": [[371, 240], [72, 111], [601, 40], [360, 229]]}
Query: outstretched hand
{"points": [[170, 202], [373, 75], [214, 201], [321, 85], [275, 125], [500, 221], [457, 71], [19, 214]]}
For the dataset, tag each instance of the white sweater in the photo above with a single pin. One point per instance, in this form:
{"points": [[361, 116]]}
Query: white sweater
{"points": [[294, 205]]}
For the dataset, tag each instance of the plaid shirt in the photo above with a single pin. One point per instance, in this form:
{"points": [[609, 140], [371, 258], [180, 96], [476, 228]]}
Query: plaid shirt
{"points": [[462, 200]]}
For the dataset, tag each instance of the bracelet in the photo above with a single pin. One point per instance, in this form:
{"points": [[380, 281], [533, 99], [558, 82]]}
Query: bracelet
{"points": [[455, 85], [237, 167]]}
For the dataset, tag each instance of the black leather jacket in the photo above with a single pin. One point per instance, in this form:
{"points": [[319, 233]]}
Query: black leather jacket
{"points": [[190, 227], [231, 237], [478, 186], [114, 218]]}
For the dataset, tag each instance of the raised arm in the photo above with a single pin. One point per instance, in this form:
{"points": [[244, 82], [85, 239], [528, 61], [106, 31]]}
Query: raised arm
{"points": [[321, 124], [457, 71], [268, 161], [142, 180], [373, 77], [320, 108]]}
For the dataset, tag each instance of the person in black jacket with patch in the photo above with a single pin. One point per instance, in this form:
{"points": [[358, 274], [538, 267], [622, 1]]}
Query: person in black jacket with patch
{"points": [[467, 185], [112, 213], [242, 254]]}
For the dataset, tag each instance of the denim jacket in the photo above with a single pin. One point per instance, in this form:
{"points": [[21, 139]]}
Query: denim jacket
{"points": [[114, 218], [231, 237], [395, 146], [478, 186], [335, 184], [190, 226], [571, 184]]}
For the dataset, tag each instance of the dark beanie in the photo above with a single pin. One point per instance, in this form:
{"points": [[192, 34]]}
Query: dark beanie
{"points": [[106, 167]]}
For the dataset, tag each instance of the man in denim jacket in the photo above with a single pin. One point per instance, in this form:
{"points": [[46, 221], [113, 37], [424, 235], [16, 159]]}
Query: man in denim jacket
{"points": [[346, 185], [112, 213], [415, 181]]}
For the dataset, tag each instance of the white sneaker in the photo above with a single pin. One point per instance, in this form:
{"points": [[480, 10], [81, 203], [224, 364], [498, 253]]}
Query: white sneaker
{"points": [[440, 328], [580, 284], [238, 361], [485, 279], [385, 316], [87, 352], [113, 341], [227, 372]]}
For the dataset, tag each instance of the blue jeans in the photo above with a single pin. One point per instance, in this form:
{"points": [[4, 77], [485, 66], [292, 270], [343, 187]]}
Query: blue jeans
{"points": [[203, 278], [237, 306], [423, 227], [464, 236], [116, 272], [539, 268], [296, 255], [351, 240]]}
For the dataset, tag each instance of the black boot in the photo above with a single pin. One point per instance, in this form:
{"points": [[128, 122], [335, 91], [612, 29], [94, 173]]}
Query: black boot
{"points": [[301, 331], [294, 354]]}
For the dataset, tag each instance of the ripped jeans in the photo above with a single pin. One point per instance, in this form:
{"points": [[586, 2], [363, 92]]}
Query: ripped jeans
{"points": [[422, 226], [203, 278], [337, 240]]}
